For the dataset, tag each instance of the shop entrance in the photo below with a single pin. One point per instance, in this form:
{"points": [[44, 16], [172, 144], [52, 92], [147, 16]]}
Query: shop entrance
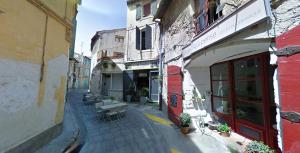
{"points": [[241, 96]]}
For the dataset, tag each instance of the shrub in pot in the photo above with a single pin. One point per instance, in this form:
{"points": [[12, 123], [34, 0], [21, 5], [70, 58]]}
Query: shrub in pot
{"points": [[185, 121], [129, 93], [224, 130], [258, 147], [144, 95]]}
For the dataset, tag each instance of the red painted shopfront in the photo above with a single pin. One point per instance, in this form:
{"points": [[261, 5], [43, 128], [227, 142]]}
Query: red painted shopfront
{"points": [[242, 98], [288, 45], [174, 93]]}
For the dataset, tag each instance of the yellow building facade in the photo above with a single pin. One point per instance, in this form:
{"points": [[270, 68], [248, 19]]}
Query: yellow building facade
{"points": [[35, 36]]}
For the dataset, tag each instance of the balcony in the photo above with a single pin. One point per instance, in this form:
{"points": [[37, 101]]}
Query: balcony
{"points": [[210, 31]]}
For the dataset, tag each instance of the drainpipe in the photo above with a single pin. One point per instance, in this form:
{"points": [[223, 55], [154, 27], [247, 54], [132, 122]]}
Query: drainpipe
{"points": [[160, 72]]}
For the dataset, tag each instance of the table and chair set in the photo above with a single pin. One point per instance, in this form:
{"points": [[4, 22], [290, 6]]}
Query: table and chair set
{"points": [[106, 108]]}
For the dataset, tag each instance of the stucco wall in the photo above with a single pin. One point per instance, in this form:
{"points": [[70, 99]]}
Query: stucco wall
{"points": [[131, 53], [107, 42], [32, 96]]}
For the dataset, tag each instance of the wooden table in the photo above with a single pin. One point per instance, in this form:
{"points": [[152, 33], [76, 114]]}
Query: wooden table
{"points": [[113, 106]]}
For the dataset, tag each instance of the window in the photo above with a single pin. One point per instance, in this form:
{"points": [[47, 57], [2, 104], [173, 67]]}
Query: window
{"points": [[146, 9], [153, 7], [119, 39], [220, 87], [206, 13], [138, 11], [144, 38]]}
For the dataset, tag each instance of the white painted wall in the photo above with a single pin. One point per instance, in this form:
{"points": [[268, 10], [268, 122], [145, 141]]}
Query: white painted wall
{"points": [[131, 53], [21, 117]]}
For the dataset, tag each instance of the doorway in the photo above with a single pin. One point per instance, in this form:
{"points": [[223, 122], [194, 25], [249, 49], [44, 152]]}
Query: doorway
{"points": [[241, 96]]}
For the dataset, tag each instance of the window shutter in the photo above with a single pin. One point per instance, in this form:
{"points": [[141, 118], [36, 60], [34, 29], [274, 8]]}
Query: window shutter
{"points": [[138, 38], [138, 11], [148, 38], [153, 7]]}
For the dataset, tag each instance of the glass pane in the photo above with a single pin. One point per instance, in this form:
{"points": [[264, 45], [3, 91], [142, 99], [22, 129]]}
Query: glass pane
{"points": [[252, 112], [249, 89], [219, 72], [220, 88], [249, 68], [222, 105]]}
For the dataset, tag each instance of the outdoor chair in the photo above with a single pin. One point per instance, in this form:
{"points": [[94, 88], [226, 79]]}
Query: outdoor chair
{"points": [[101, 113], [111, 114]]}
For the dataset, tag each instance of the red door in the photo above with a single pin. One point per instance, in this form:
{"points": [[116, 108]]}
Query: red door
{"points": [[174, 93], [289, 87]]}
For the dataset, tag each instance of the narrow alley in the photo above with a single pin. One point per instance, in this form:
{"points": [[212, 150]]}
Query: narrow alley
{"points": [[149, 76], [143, 129]]}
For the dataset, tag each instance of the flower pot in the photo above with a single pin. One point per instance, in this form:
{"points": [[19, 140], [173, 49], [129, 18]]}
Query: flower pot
{"points": [[143, 100], [213, 125], [185, 130], [128, 98], [225, 134]]}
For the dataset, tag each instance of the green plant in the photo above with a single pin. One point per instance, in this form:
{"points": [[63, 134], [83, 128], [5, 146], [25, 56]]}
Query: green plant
{"points": [[104, 64], [113, 65], [224, 128], [196, 97], [258, 147], [112, 98], [185, 119], [145, 92]]}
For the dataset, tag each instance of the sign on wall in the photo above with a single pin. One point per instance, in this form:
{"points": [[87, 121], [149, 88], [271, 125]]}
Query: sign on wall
{"points": [[251, 13]]}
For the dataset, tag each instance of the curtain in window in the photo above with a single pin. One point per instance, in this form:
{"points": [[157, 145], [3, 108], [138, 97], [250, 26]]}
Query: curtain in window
{"points": [[138, 11], [203, 18], [153, 7]]}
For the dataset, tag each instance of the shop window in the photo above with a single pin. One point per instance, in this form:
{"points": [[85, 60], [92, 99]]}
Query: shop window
{"points": [[220, 88], [144, 38], [252, 112]]}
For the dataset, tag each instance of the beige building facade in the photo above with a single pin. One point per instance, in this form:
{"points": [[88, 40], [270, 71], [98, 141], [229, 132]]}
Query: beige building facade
{"points": [[35, 36], [142, 49], [107, 62]]}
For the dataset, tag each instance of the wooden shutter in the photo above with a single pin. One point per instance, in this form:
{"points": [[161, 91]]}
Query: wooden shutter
{"points": [[147, 9], [148, 39], [153, 7], [138, 11], [138, 38]]}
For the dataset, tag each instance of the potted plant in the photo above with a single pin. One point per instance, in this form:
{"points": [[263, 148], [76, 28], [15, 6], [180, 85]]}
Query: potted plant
{"points": [[224, 130], [113, 65], [144, 95], [105, 64], [258, 147], [129, 93], [185, 121]]}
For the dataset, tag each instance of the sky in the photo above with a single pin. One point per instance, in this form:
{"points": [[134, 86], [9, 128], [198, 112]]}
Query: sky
{"points": [[96, 15]]}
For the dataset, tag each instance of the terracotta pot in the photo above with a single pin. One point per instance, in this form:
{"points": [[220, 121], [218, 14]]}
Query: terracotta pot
{"points": [[225, 134], [185, 130]]}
